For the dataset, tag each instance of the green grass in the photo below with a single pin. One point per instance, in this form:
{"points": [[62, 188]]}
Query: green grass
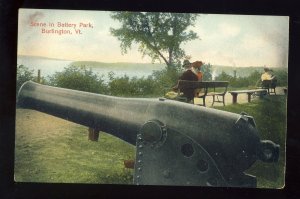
{"points": [[64, 154], [49, 149], [270, 118]]}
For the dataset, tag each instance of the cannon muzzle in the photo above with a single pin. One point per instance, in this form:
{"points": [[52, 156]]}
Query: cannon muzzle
{"points": [[176, 143]]}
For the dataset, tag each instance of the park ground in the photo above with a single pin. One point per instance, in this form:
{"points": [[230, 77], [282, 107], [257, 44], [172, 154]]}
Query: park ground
{"points": [[49, 149], [241, 99]]}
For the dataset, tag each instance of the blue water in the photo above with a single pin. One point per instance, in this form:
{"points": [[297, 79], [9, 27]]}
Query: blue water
{"points": [[48, 67]]}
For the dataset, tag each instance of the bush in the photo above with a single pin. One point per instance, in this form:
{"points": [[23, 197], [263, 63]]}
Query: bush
{"points": [[165, 79], [156, 84], [282, 77], [79, 78], [252, 80], [130, 87], [24, 74]]}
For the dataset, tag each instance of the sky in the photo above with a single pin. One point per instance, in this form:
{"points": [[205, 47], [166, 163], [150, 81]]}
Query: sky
{"points": [[230, 40]]}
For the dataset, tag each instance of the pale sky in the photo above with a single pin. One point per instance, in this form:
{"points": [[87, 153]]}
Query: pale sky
{"points": [[232, 40]]}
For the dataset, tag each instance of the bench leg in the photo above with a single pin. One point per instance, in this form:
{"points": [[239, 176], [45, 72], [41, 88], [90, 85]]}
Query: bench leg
{"points": [[249, 97], [213, 100], [224, 100], [262, 94], [234, 97]]}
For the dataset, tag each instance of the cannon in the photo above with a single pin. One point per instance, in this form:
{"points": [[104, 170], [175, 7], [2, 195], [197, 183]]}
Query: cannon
{"points": [[176, 143]]}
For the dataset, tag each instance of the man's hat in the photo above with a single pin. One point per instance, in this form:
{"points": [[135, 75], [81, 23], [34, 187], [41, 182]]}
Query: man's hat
{"points": [[186, 63]]}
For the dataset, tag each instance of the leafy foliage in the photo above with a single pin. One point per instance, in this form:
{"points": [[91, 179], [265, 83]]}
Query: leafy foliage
{"points": [[233, 81], [23, 74], [282, 77], [164, 80], [125, 86], [155, 85], [78, 78], [206, 69], [253, 80], [159, 35]]}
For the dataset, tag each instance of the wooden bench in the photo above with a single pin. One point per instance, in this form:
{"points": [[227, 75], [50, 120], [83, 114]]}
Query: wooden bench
{"points": [[193, 85], [206, 88], [285, 90], [234, 94], [211, 89], [270, 85]]}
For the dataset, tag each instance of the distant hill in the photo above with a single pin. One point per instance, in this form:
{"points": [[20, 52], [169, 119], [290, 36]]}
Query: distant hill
{"points": [[123, 65], [217, 69], [41, 57], [47, 63]]}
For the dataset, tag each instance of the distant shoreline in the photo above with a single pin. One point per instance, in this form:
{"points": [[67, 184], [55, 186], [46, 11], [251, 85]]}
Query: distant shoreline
{"points": [[216, 69], [41, 57]]}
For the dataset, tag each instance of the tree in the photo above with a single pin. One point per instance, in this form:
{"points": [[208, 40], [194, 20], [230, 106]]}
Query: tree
{"points": [[224, 77], [207, 72], [254, 78], [159, 35]]}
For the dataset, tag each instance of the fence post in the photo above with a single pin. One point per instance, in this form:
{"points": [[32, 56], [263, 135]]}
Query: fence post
{"points": [[93, 134], [39, 76]]}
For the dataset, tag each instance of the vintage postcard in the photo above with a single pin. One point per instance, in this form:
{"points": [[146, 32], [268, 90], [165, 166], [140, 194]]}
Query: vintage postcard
{"points": [[151, 98]]}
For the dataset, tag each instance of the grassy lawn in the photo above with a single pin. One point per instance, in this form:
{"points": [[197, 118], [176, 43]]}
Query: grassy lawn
{"points": [[49, 149]]}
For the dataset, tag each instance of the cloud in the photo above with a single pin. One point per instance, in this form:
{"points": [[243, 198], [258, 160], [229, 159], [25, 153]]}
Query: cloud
{"points": [[252, 42], [229, 30], [279, 44]]}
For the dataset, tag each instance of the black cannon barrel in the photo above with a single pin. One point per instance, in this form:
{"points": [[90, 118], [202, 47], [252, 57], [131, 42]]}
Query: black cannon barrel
{"points": [[231, 139]]}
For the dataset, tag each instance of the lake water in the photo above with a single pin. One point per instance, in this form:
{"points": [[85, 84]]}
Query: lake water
{"points": [[48, 67]]}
